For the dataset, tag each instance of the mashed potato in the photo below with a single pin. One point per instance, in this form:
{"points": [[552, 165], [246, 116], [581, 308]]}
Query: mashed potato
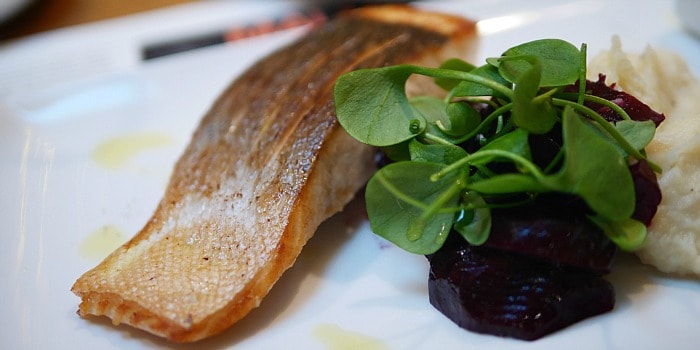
{"points": [[663, 81]]}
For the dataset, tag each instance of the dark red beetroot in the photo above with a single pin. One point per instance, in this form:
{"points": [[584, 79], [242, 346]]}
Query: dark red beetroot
{"points": [[553, 228], [540, 270], [646, 188], [486, 291], [636, 109]]}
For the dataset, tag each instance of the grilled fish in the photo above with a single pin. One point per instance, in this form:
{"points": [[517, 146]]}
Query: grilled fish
{"points": [[266, 165]]}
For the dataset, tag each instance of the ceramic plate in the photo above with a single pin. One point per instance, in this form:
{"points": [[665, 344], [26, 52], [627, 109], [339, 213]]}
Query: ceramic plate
{"points": [[83, 165]]}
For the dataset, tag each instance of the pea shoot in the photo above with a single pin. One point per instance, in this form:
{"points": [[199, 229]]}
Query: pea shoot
{"points": [[436, 185]]}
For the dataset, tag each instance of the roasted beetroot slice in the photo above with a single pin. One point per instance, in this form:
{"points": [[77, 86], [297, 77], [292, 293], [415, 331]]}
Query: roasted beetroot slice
{"points": [[636, 109], [647, 190], [487, 291], [553, 228]]}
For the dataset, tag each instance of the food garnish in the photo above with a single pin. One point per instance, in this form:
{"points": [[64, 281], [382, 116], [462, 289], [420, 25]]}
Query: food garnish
{"points": [[542, 173], [439, 182]]}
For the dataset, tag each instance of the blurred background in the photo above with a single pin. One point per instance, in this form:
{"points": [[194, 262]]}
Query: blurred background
{"points": [[50, 42], [23, 17], [19, 18]]}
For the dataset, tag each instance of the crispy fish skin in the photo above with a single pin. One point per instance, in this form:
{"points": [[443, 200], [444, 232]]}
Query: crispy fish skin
{"points": [[267, 164]]}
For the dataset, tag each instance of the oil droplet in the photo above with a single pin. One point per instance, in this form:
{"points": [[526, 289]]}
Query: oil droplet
{"points": [[101, 242], [115, 153], [336, 338]]}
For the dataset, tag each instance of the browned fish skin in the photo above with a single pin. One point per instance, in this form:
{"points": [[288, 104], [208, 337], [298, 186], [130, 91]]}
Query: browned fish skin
{"points": [[266, 165]]}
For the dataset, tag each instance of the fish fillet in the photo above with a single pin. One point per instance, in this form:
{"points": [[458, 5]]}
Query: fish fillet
{"points": [[267, 164]]}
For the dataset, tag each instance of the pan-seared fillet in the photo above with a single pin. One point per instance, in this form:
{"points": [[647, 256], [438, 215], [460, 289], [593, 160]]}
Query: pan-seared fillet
{"points": [[266, 166]]}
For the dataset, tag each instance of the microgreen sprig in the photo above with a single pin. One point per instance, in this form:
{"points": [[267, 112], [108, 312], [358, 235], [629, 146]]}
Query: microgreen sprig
{"points": [[435, 185]]}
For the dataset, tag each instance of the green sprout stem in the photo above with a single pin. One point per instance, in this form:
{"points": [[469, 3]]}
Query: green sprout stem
{"points": [[545, 95], [486, 122], [530, 167], [445, 197], [595, 99], [433, 208], [465, 76], [436, 139], [399, 194], [582, 74]]}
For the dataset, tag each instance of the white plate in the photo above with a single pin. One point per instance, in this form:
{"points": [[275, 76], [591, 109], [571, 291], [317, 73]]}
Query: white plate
{"points": [[63, 205]]}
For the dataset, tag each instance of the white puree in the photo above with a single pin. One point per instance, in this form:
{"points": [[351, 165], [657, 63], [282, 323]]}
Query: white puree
{"points": [[663, 81]]}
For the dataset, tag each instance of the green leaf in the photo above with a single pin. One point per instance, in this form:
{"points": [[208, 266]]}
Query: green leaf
{"points": [[607, 129], [463, 119], [493, 61], [443, 154], [432, 109], [398, 198], [515, 142], [468, 88], [594, 169], [435, 112], [453, 64], [372, 106], [536, 115], [628, 234], [509, 183], [560, 62], [475, 224], [637, 133], [398, 152]]}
